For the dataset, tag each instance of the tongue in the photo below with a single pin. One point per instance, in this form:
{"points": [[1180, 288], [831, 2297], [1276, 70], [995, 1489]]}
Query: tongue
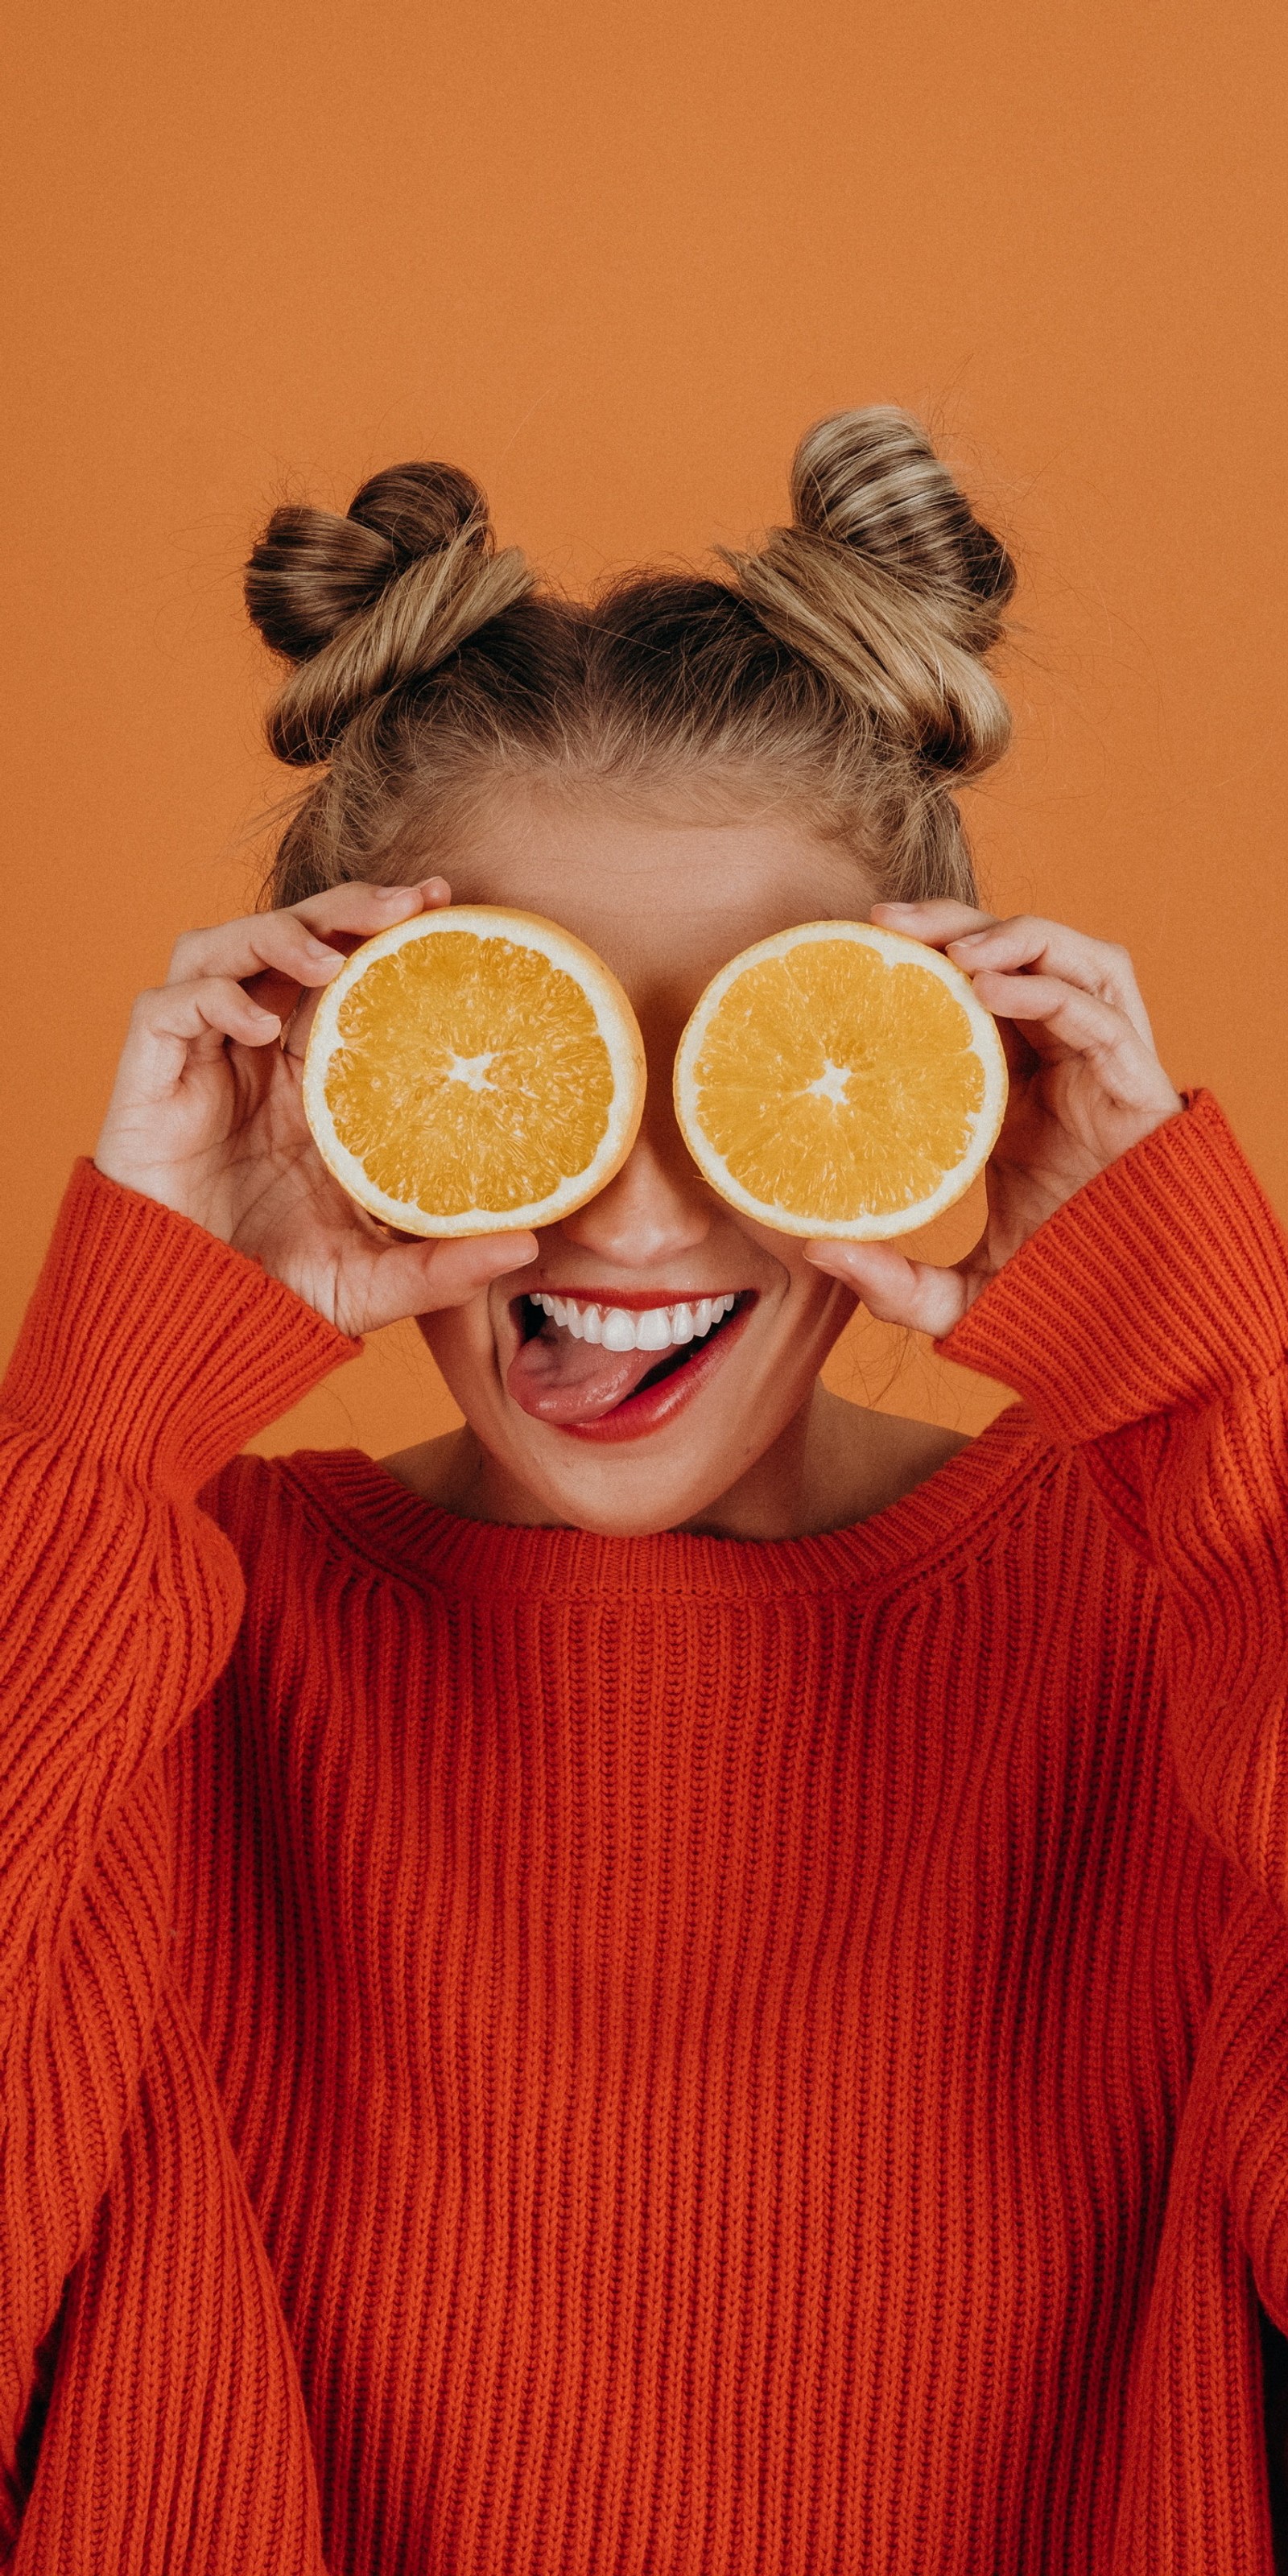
{"points": [[562, 1380]]}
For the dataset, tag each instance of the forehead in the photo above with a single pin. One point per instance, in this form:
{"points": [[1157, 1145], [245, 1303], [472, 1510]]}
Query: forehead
{"points": [[663, 898]]}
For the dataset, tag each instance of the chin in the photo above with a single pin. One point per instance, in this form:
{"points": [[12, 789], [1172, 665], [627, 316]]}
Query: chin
{"points": [[622, 1500], [669, 1448]]}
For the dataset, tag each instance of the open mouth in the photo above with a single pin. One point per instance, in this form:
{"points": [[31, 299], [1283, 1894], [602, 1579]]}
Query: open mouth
{"points": [[615, 1371]]}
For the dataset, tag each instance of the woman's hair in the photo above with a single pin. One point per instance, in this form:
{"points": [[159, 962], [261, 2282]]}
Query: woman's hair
{"points": [[841, 670]]}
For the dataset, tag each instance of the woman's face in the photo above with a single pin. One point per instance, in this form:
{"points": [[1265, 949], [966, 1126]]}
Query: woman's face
{"points": [[658, 1437]]}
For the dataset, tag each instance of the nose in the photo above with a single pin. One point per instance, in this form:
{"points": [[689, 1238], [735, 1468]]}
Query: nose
{"points": [[655, 1208]]}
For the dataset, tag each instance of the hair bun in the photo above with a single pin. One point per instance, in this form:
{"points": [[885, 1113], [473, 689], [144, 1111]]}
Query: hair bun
{"points": [[889, 583], [871, 480], [365, 603]]}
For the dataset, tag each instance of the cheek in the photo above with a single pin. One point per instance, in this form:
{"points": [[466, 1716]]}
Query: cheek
{"points": [[812, 1313], [459, 1340], [807, 1294]]}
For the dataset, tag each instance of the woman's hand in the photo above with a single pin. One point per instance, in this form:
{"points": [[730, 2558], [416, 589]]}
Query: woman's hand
{"points": [[1085, 1084], [206, 1115]]}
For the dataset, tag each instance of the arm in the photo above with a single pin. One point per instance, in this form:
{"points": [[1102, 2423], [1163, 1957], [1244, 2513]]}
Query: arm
{"points": [[202, 1276], [1146, 1326], [1132, 1283], [149, 1354]]}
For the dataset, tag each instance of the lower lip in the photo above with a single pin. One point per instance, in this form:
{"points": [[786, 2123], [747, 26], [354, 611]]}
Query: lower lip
{"points": [[657, 1406]]}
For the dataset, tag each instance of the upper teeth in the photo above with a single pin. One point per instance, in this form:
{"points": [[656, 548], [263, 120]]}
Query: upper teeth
{"points": [[653, 1328]]}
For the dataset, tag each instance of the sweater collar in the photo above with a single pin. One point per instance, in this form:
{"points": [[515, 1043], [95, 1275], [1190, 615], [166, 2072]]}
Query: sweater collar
{"points": [[950, 1513]]}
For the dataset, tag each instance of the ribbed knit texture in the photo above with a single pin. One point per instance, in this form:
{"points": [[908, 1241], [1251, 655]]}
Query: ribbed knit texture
{"points": [[536, 2055]]}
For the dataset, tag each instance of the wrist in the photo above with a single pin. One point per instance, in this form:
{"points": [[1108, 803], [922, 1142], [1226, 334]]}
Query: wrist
{"points": [[1163, 1282], [185, 1190], [152, 1346]]}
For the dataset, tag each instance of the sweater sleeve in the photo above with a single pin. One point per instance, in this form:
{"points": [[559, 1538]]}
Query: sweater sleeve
{"points": [[149, 1354], [1145, 1325]]}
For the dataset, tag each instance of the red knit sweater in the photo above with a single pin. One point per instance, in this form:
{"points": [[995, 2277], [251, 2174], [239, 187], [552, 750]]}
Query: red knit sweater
{"points": [[535, 2055]]}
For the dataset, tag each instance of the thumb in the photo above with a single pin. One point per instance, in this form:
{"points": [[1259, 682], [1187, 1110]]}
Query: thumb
{"points": [[893, 1288], [419, 1278]]}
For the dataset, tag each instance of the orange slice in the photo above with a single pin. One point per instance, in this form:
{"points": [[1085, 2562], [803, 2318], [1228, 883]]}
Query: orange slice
{"points": [[472, 1070], [840, 1080]]}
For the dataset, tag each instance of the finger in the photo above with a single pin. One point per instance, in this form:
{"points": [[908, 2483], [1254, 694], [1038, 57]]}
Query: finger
{"points": [[1059, 1021], [276, 943], [281, 994], [935, 922], [293, 942], [1058, 1018], [893, 1288], [170, 1025], [422, 1278], [1024, 942], [363, 908], [296, 1024]]}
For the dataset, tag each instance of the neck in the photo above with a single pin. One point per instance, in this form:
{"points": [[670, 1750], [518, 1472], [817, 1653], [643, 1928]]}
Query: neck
{"points": [[833, 1464]]}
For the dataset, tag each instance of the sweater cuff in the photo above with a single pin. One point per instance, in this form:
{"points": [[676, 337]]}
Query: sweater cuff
{"points": [[155, 1348], [1162, 1282]]}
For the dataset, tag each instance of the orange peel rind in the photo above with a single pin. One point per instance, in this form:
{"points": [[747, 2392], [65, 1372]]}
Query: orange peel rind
{"points": [[842, 1081], [473, 1070]]}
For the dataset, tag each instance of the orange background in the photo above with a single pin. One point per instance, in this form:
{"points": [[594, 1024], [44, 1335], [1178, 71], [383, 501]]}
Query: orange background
{"points": [[613, 259]]}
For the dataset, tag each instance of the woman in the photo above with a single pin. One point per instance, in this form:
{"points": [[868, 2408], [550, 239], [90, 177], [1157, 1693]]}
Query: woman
{"points": [[692, 1977]]}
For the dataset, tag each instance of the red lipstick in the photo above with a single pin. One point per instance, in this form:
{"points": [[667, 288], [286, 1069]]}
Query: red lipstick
{"points": [[653, 1407]]}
